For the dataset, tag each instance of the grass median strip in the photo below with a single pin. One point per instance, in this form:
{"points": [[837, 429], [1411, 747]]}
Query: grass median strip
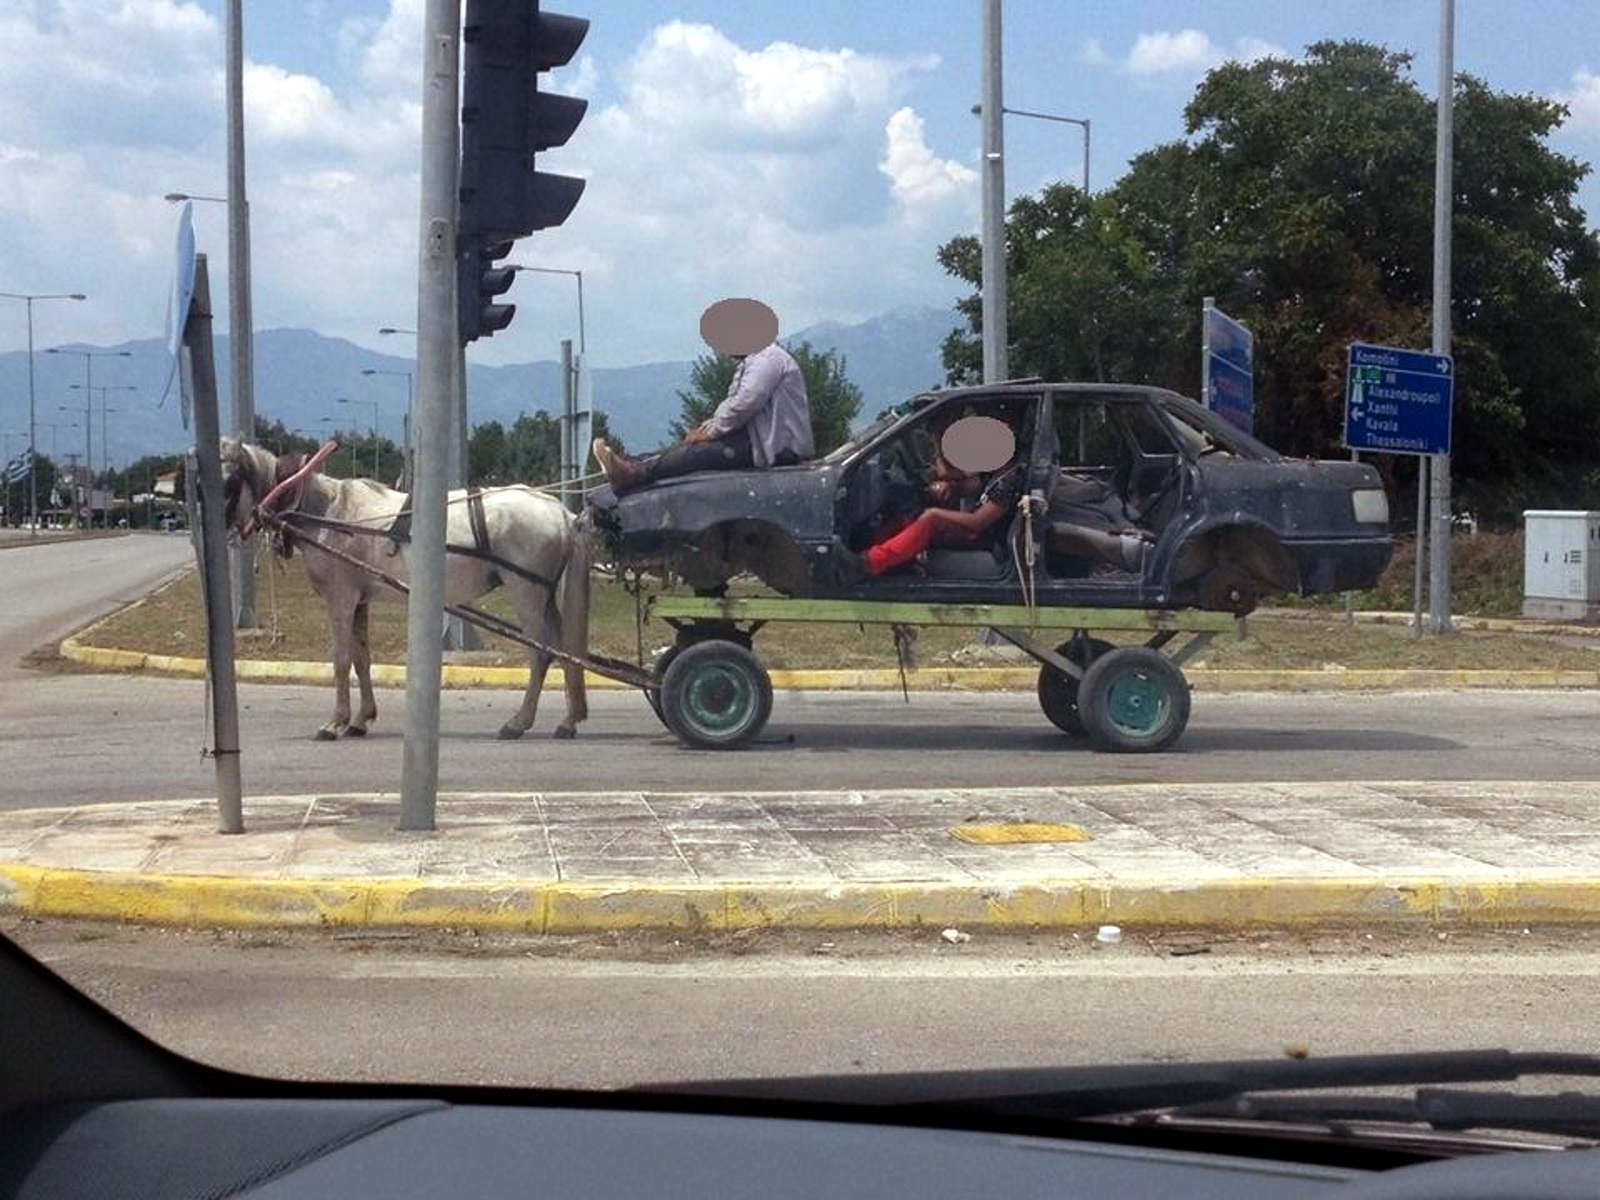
{"points": [[171, 622]]}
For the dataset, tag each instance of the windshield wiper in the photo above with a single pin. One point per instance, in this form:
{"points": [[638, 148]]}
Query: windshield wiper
{"points": [[1077, 1093], [1563, 1114]]}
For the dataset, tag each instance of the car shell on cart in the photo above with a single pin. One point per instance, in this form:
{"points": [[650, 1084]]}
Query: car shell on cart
{"points": [[1222, 520]]}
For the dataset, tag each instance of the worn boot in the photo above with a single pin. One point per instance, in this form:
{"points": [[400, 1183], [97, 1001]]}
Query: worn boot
{"points": [[621, 471]]}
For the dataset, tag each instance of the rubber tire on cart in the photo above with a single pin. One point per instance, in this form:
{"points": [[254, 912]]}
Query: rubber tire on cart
{"points": [[715, 695], [658, 671], [1133, 700], [1058, 691]]}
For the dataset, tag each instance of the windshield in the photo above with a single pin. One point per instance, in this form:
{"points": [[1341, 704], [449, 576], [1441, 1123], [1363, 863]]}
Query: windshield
{"points": [[1078, 722]]}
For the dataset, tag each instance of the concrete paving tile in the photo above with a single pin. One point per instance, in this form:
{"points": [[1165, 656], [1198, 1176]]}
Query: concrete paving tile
{"points": [[586, 869]]}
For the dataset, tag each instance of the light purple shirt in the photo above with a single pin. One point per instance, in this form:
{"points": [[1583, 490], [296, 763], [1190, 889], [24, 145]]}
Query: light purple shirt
{"points": [[768, 399]]}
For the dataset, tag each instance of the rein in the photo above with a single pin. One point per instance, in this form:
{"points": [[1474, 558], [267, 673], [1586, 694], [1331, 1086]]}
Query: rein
{"points": [[307, 468]]}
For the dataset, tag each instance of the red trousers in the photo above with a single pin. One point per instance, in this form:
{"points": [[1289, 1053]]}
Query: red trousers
{"points": [[911, 539]]}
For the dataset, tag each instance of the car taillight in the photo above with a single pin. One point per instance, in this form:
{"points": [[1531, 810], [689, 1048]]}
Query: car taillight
{"points": [[1371, 506]]}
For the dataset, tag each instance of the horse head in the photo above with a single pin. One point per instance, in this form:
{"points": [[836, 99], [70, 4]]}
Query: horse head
{"points": [[248, 474]]}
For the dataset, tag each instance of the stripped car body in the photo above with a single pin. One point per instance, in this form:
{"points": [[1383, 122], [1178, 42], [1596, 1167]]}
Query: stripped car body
{"points": [[1213, 518]]}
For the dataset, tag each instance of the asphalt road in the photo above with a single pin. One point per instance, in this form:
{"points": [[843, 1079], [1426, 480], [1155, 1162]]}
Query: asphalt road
{"points": [[73, 738], [609, 1013]]}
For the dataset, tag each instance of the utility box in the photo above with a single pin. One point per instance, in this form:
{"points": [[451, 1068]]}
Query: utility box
{"points": [[1561, 566]]}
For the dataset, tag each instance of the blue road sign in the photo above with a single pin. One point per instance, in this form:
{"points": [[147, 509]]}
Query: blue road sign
{"points": [[1229, 363], [1398, 401]]}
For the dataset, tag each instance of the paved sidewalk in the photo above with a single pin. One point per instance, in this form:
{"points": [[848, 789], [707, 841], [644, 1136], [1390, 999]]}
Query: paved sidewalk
{"points": [[1281, 854]]}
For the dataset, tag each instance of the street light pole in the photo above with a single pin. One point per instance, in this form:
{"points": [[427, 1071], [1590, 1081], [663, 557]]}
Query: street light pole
{"points": [[409, 465], [572, 454], [1083, 121], [88, 410], [105, 442], [33, 487], [374, 403], [995, 336], [578, 275]]}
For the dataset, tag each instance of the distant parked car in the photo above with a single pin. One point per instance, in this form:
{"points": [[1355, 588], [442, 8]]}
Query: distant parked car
{"points": [[1219, 519]]}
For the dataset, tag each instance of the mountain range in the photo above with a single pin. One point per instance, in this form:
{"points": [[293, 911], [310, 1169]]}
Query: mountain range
{"points": [[315, 384]]}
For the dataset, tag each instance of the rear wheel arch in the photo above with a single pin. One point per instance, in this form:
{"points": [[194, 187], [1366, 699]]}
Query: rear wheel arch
{"points": [[1228, 568]]}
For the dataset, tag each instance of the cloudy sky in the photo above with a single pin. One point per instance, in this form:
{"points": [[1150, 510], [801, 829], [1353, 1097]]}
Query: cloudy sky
{"points": [[814, 155]]}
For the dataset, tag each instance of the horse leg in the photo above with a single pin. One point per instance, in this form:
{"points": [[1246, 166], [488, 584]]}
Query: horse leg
{"points": [[572, 619], [572, 680], [533, 605], [361, 655], [341, 616]]}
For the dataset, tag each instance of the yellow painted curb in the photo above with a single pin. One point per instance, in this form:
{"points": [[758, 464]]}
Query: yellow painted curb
{"points": [[1016, 833], [570, 908], [973, 679]]}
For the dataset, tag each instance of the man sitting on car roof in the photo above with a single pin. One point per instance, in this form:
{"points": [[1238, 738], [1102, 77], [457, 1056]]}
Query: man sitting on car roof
{"points": [[764, 421]]}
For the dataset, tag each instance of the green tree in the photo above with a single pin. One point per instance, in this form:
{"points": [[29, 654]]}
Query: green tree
{"points": [[528, 452], [1302, 201], [835, 401]]}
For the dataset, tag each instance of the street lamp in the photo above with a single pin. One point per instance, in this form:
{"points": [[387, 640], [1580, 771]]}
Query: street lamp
{"points": [[29, 298], [408, 468], [88, 409], [571, 453], [977, 110], [105, 442], [578, 275], [374, 403]]}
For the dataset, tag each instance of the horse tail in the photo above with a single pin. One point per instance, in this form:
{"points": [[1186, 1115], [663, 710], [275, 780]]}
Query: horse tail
{"points": [[572, 591]]}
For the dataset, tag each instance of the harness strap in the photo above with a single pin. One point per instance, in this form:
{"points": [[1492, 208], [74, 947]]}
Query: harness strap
{"points": [[478, 519]]}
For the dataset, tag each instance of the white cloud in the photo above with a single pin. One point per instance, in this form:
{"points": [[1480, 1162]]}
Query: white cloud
{"points": [[787, 172], [1158, 53], [791, 172], [921, 180], [1583, 99], [1191, 51], [1094, 53]]}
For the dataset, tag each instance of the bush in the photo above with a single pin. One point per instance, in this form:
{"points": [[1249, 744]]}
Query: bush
{"points": [[1485, 576]]}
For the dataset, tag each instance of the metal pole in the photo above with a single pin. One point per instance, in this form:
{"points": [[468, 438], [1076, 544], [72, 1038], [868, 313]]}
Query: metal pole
{"points": [[995, 338], [1086, 156], [1443, 195], [241, 338], [569, 423], [88, 436], [1422, 545], [212, 549], [33, 475], [437, 350]]}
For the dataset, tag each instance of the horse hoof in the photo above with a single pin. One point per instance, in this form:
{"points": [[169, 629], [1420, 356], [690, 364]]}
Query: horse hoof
{"points": [[563, 732], [356, 731], [328, 733], [510, 733]]}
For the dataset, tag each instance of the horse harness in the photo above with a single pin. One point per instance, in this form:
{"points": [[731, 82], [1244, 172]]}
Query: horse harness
{"points": [[398, 533]]}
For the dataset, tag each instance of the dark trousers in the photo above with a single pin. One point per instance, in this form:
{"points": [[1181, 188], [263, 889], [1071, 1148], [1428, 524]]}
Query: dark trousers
{"points": [[730, 453]]}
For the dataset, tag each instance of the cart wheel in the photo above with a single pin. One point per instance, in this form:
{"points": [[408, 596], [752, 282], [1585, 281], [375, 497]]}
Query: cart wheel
{"points": [[1133, 700], [1058, 691], [658, 672], [715, 695]]}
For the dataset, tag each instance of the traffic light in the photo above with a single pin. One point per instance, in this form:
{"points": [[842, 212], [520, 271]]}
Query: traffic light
{"points": [[505, 121], [478, 282]]}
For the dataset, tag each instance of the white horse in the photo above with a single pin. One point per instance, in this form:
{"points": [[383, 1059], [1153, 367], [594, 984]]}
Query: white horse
{"points": [[515, 536]]}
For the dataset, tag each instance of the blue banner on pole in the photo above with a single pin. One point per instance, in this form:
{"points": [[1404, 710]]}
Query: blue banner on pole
{"points": [[1229, 364]]}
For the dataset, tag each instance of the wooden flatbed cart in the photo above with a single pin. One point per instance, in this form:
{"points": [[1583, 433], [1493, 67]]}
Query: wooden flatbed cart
{"points": [[710, 689]]}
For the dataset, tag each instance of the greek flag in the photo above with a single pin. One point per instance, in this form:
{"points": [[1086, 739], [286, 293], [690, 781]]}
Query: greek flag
{"points": [[17, 469]]}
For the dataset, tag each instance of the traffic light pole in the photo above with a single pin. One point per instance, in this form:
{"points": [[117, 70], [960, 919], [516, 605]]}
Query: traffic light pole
{"points": [[437, 350]]}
